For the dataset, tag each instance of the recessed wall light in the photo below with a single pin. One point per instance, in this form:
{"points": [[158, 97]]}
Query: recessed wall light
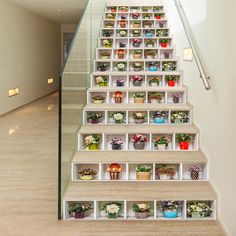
{"points": [[50, 81], [13, 92], [58, 10], [188, 54]]}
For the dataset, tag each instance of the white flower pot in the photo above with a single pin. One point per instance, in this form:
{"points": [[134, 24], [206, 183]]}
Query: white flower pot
{"points": [[161, 147], [154, 84], [164, 177]]}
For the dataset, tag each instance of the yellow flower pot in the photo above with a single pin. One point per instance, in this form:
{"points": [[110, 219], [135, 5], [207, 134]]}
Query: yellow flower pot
{"points": [[138, 100], [143, 175]]}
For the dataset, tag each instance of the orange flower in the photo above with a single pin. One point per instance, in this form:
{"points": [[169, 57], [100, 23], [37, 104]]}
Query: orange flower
{"points": [[114, 168], [118, 94]]}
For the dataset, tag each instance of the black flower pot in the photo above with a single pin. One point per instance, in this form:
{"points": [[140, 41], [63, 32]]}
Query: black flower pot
{"points": [[116, 146]]}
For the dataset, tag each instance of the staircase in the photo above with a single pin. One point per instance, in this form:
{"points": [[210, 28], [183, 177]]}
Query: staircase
{"points": [[136, 90]]}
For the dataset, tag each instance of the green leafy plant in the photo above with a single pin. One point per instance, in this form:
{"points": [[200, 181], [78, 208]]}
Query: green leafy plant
{"points": [[141, 207], [80, 207], [139, 95], [161, 140], [172, 78], [94, 116], [113, 209], [143, 168], [184, 138], [166, 169], [201, 208]]}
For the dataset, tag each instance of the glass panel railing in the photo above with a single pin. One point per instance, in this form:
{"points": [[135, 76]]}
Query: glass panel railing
{"points": [[73, 88]]}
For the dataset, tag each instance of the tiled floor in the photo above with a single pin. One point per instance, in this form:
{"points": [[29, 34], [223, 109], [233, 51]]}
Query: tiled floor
{"points": [[28, 183]]}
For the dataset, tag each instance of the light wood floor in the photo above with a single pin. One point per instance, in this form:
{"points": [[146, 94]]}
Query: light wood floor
{"points": [[28, 184]]}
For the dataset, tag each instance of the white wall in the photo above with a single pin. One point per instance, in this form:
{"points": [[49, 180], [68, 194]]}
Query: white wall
{"points": [[29, 55], [214, 28]]}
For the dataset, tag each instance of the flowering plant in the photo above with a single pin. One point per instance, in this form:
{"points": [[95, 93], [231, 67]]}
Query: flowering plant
{"points": [[201, 208], [139, 95], [107, 43], [101, 79], [154, 80], [135, 15], [169, 205], [161, 33], [137, 65], [143, 168], [117, 141], [184, 138], [136, 41], [93, 116], [87, 171], [161, 140], [102, 66], [139, 115], [136, 33], [179, 115], [146, 16], [98, 97], [114, 167], [195, 169], [149, 42], [155, 95], [120, 82], [118, 94], [79, 207], [172, 78], [123, 9], [91, 139], [121, 65], [158, 114], [118, 117], [113, 209], [137, 78], [176, 95], [107, 33], [111, 16], [123, 33], [138, 138], [141, 207], [166, 169], [169, 66]]}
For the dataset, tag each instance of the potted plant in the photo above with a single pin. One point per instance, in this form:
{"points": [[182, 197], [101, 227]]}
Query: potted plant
{"points": [[166, 171], [136, 42], [123, 9], [198, 209], [78, 210], [107, 33], [134, 9], [91, 142], [171, 80], [153, 66], [157, 9], [136, 24], [114, 170], [147, 16], [161, 25], [121, 66], [107, 43], [154, 81], [150, 54], [123, 33], [121, 54], [87, 174], [161, 142], [139, 141], [149, 33], [137, 80], [150, 43], [137, 66], [176, 97], [112, 9], [123, 23], [139, 97], [120, 82], [146, 9], [105, 55], [112, 209], [94, 117], [169, 66], [159, 117], [178, 117], [101, 81], [164, 42], [123, 17], [170, 208], [139, 117], [103, 66], [155, 97], [118, 96], [135, 16], [118, 117], [158, 16], [122, 44], [98, 99], [142, 210], [143, 172], [116, 143], [161, 33], [111, 16], [136, 33], [184, 140], [147, 24], [137, 54], [109, 24], [194, 172]]}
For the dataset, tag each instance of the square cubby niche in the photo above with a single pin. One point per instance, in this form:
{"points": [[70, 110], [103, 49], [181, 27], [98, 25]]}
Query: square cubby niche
{"points": [[104, 54], [166, 53], [142, 147], [121, 43], [148, 24], [70, 215], [102, 215], [97, 97], [138, 97], [110, 16], [176, 97], [107, 33], [136, 43], [179, 214], [136, 66], [122, 33], [120, 54], [119, 66], [108, 24], [158, 9], [155, 81], [135, 9], [136, 54], [163, 137], [131, 215], [94, 117], [164, 43], [195, 171], [168, 66], [160, 24], [122, 16], [152, 66], [82, 144], [172, 80], [159, 117], [167, 171], [79, 169], [119, 81], [146, 9], [122, 23], [156, 97], [102, 66], [141, 176], [210, 215], [135, 33], [118, 97], [117, 139], [116, 117], [147, 16], [180, 117], [150, 43], [162, 33], [151, 54], [138, 117], [136, 81], [186, 146], [106, 43], [112, 176]]}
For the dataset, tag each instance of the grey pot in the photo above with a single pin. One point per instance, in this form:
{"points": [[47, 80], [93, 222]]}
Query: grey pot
{"points": [[139, 146], [137, 83]]}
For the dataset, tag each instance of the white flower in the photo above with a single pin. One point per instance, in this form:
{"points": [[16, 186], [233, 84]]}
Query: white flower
{"points": [[112, 209], [143, 206], [89, 139], [121, 65], [139, 114], [118, 116]]}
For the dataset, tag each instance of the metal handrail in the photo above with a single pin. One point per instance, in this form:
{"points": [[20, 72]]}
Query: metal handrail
{"points": [[202, 69]]}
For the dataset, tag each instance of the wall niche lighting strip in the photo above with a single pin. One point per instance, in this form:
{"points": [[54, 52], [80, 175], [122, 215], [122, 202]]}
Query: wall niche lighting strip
{"points": [[13, 92]]}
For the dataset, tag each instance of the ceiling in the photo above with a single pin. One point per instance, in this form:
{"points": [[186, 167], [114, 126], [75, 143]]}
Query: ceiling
{"points": [[60, 11]]}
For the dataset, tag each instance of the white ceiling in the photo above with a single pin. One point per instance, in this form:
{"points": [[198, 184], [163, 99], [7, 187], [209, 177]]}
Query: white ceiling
{"points": [[70, 13]]}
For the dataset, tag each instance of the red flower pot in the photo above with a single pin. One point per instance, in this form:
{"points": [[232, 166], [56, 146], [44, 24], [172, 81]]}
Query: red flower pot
{"points": [[184, 145], [79, 215], [113, 10], [171, 83], [164, 45], [158, 17]]}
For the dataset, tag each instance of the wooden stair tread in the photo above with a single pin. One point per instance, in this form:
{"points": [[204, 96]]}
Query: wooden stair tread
{"points": [[139, 157], [139, 191], [121, 129]]}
